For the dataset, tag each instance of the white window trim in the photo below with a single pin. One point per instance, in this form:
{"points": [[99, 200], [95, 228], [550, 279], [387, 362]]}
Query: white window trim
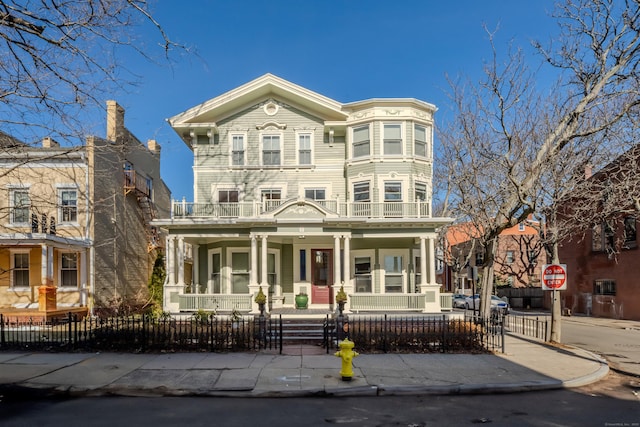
{"points": [[271, 133], [428, 131], [60, 189], [13, 252], [404, 180], [59, 272], [360, 253], [226, 270], [327, 187], [282, 186], [403, 138], [358, 180], [521, 226], [244, 148], [275, 252], [404, 253], [12, 191], [217, 190], [351, 142], [426, 191], [311, 147]]}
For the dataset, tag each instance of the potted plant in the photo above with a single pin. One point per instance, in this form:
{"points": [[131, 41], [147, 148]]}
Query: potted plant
{"points": [[302, 299], [260, 299], [341, 299]]}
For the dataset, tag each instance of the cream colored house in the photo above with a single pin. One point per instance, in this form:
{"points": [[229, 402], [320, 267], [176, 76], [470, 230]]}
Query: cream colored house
{"points": [[297, 193], [78, 218]]}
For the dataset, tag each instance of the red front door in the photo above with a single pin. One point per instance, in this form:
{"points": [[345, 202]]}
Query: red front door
{"points": [[321, 275]]}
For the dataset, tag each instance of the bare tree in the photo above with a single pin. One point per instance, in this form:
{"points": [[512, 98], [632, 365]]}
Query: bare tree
{"points": [[59, 59], [508, 135]]}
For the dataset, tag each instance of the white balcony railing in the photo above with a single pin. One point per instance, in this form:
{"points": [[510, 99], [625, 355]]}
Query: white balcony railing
{"points": [[184, 209]]}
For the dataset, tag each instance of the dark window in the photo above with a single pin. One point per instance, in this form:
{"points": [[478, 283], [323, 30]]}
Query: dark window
{"points": [[303, 264], [228, 196], [604, 287], [362, 274], [315, 193], [630, 231], [69, 270]]}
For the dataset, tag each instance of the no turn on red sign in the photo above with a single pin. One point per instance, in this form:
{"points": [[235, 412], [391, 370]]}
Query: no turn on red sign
{"points": [[554, 277]]}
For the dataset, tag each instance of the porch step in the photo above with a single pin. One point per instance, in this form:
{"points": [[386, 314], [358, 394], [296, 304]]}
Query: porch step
{"points": [[303, 331]]}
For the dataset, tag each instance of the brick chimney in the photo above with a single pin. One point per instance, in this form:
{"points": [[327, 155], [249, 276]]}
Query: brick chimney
{"points": [[154, 147], [115, 121], [48, 142]]}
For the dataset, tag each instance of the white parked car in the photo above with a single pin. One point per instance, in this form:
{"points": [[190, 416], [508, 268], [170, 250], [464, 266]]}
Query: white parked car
{"points": [[496, 303]]}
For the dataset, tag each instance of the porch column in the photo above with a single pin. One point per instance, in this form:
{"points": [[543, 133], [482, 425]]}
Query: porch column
{"points": [[172, 290], [83, 278], [263, 270], [171, 276], [181, 261], [253, 273], [348, 286], [195, 270], [432, 262], [428, 287], [423, 262], [44, 263]]}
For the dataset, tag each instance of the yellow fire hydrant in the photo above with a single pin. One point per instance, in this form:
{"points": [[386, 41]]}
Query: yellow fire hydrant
{"points": [[347, 354]]}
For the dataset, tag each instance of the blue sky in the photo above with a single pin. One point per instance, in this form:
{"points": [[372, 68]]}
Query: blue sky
{"points": [[347, 50]]}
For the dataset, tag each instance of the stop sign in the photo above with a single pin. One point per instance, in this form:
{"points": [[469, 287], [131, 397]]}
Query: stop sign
{"points": [[554, 277]]}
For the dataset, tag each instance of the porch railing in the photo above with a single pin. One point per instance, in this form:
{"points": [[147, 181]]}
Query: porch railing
{"points": [[183, 209], [446, 301], [214, 302], [387, 302]]}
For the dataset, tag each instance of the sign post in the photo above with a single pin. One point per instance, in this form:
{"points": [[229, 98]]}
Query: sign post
{"points": [[554, 278]]}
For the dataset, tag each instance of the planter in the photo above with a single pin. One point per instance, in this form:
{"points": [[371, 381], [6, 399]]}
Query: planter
{"points": [[302, 301]]}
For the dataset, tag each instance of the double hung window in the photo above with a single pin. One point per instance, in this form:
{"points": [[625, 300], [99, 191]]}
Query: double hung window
{"points": [[361, 142], [362, 274], [304, 149], [392, 139], [69, 270], [68, 206], [20, 206], [271, 150], [20, 274], [237, 150], [393, 274], [420, 141], [361, 199], [239, 272]]}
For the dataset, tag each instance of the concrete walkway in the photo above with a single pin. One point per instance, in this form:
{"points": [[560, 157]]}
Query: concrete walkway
{"points": [[301, 371]]}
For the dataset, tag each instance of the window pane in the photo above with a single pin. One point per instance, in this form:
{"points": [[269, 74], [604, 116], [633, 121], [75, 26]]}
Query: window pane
{"points": [[361, 134], [420, 133], [361, 192], [69, 267], [392, 147], [240, 262], [305, 142], [392, 191], [392, 131], [303, 264], [21, 261], [393, 264], [421, 191], [630, 229], [305, 157]]}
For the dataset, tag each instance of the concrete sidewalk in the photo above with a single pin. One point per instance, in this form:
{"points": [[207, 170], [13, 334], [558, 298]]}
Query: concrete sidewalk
{"points": [[527, 365]]}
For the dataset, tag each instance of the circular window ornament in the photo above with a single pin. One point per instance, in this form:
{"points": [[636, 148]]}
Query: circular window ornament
{"points": [[270, 108]]}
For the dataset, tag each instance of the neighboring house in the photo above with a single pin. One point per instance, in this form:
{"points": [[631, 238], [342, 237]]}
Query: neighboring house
{"points": [[602, 267], [297, 193], [519, 256], [78, 219]]}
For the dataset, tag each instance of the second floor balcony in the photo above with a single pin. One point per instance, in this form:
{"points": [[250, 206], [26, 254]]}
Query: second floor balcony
{"points": [[266, 208]]}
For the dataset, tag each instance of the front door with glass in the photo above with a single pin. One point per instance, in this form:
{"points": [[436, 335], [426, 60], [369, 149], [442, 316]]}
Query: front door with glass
{"points": [[321, 275]]}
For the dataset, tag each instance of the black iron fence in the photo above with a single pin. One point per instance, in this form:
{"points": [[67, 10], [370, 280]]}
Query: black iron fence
{"points": [[141, 334], [536, 326], [372, 334], [420, 334]]}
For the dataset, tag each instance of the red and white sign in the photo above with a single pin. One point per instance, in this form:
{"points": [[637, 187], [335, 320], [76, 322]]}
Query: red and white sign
{"points": [[554, 277]]}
